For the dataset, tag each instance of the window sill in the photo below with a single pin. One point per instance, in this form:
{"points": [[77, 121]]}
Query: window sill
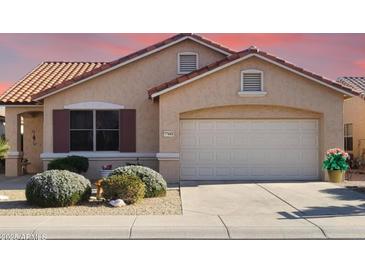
{"points": [[183, 73], [98, 155], [252, 93]]}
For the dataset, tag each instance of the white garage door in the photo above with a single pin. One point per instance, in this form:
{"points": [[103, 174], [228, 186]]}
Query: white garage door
{"points": [[249, 149]]}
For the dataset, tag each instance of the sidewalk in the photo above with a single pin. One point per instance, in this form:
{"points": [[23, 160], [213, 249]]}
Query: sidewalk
{"points": [[182, 227]]}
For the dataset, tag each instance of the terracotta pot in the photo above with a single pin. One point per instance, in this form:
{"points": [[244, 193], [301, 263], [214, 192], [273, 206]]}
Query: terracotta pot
{"points": [[336, 176]]}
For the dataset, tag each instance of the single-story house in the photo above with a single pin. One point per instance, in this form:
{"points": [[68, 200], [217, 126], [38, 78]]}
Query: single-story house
{"points": [[354, 117], [188, 107]]}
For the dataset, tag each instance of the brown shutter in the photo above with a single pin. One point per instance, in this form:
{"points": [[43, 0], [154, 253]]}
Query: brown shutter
{"points": [[61, 130], [127, 130]]}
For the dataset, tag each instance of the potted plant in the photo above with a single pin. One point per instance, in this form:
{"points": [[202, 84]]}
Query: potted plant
{"points": [[106, 170], [336, 164]]}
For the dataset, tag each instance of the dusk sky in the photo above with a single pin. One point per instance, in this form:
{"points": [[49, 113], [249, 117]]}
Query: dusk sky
{"points": [[330, 55]]}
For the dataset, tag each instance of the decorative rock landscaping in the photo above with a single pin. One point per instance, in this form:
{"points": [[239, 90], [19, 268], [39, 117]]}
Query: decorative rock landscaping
{"points": [[18, 206]]}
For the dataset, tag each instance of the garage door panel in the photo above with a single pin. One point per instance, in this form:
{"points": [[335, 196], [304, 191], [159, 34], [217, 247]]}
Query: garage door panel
{"points": [[310, 141], [205, 171], [222, 140], [224, 156], [223, 171], [188, 156], [242, 126], [206, 156], [309, 156], [206, 125], [224, 125], [249, 149], [188, 140], [309, 126], [206, 140], [188, 125]]}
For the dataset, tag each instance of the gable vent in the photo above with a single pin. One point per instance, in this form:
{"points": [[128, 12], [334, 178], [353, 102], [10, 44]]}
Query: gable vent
{"points": [[251, 81], [187, 62]]}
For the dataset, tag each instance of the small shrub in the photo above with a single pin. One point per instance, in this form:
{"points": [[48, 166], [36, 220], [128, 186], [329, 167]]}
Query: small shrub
{"points": [[129, 188], [76, 164], [57, 188], [336, 159], [155, 183], [4, 147]]}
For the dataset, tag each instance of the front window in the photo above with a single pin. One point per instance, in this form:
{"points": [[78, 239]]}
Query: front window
{"points": [[94, 130], [348, 140]]}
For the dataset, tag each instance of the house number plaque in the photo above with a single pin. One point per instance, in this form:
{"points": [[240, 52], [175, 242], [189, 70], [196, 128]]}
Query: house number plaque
{"points": [[168, 133]]}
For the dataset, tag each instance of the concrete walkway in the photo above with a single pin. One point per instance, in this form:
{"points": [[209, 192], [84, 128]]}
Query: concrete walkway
{"points": [[219, 211], [180, 227], [278, 210]]}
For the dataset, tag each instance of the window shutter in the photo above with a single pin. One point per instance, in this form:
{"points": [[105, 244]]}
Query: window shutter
{"points": [[252, 81], [61, 130], [127, 130], [187, 63]]}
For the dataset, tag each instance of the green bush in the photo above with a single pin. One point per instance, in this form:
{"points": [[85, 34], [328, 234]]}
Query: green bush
{"points": [[57, 188], [129, 188], [336, 159], [155, 183], [76, 164]]}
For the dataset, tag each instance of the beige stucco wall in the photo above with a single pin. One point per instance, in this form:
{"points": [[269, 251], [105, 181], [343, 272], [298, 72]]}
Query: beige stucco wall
{"points": [[12, 134], [284, 89], [128, 86], [354, 113]]}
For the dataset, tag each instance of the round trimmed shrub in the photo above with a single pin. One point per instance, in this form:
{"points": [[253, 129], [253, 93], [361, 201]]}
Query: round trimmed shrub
{"points": [[72, 163], [129, 188], [155, 183], [57, 188]]}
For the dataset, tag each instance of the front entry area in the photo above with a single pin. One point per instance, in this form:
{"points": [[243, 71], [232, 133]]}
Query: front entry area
{"points": [[226, 149]]}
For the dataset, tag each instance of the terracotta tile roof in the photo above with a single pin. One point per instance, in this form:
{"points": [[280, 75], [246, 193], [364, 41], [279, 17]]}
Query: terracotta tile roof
{"points": [[44, 76], [355, 83], [130, 57], [241, 54]]}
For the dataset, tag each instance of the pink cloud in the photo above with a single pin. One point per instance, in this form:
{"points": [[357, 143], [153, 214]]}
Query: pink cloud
{"points": [[360, 64], [4, 86], [242, 40], [330, 55]]}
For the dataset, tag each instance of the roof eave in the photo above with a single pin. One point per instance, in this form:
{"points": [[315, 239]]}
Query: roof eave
{"points": [[48, 92], [345, 92]]}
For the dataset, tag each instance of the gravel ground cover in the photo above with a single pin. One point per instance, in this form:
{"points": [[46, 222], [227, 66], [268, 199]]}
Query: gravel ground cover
{"points": [[18, 206]]}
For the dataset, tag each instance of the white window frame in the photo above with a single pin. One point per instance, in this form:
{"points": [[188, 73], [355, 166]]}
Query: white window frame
{"points": [[244, 93], [347, 136], [186, 53], [94, 129]]}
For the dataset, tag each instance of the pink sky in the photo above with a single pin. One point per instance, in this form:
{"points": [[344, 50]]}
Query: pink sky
{"points": [[330, 55]]}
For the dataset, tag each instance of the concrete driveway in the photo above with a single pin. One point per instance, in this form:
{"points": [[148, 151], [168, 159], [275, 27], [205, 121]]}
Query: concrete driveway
{"points": [[290, 208]]}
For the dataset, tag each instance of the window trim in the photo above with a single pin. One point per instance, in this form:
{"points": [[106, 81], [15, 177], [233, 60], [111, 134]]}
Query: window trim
{"points": [[348, 136], [94, 131], [262, 81], [186, 53]]}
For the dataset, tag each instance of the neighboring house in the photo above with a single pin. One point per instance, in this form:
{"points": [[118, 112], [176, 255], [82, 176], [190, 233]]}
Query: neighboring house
{"points": [[188, 107], [354, 117], [2, 122]]}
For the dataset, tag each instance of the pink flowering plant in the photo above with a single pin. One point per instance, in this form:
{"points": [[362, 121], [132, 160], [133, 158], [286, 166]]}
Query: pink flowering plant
{"points": [[336, 159]]}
